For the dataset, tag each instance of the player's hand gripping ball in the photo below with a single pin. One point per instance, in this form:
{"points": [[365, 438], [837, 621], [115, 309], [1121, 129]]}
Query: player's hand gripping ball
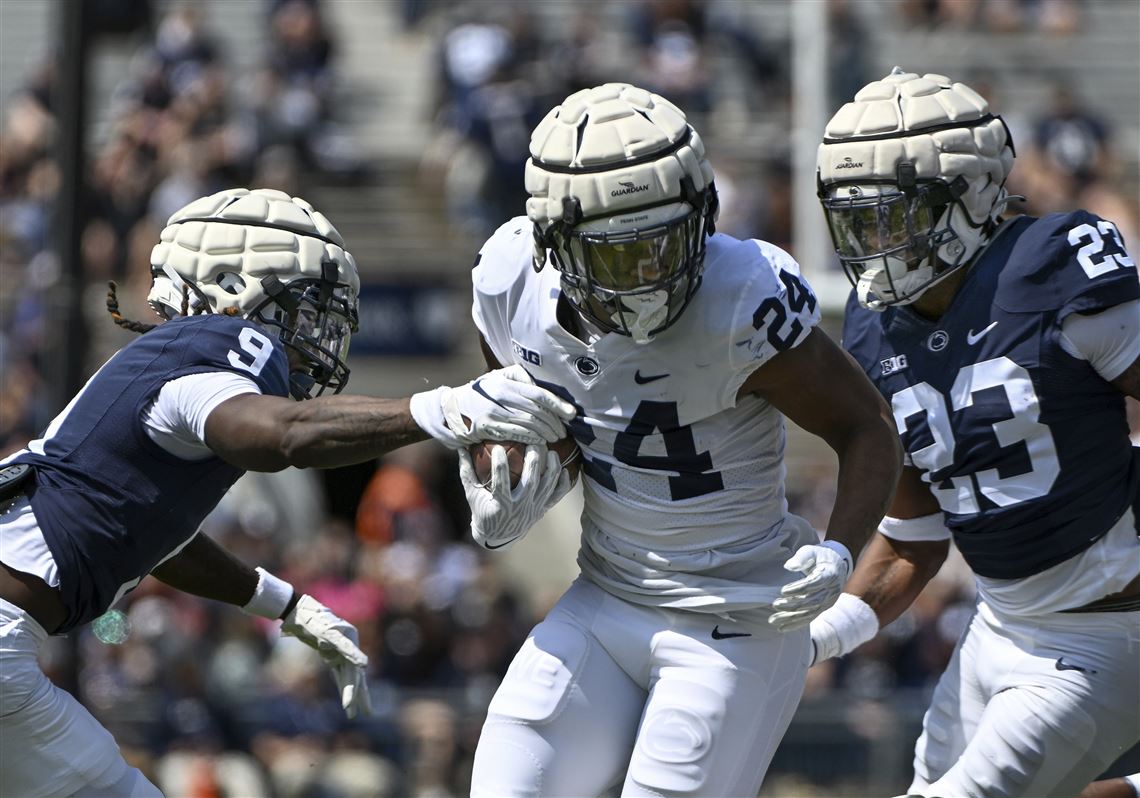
{"points": [[568, 454]]}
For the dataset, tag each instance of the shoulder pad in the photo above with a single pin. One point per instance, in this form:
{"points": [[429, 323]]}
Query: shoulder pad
{"points": [[1068, 263], [505, 256], [775, 308], [227, 343]]}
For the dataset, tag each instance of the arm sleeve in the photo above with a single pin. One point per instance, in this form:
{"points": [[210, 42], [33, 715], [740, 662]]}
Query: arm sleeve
{"points": [[910, 530], [176, 420], [1109, 340]]}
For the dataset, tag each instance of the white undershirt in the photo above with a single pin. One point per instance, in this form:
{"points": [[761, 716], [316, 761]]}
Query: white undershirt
{"points": [[1109, 340], [175, 420]]}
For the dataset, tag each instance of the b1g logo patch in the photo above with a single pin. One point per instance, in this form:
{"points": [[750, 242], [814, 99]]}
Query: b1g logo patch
{"points": [[893, 365], [526, 355]]}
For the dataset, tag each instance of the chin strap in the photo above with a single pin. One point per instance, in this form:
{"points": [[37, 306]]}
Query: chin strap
{"points": [[866, 290], [648, 310]]}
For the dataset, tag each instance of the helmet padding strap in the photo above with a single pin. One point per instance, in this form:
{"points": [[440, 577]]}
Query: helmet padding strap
{"points": [[276, 291]]}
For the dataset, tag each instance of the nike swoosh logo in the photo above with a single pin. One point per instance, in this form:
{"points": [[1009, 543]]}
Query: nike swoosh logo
{"points": [[493, 546], [645, 380], [717, 634], [477, 388], [1061, 666], [972, 338]]}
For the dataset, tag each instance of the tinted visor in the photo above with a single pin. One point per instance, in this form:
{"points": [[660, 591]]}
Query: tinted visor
{"points": [[634, 260], [894, 224]]}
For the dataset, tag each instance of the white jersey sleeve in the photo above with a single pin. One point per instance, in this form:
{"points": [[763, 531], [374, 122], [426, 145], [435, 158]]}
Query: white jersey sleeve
{"points": [[176, 419], [497, 284], [773, 307]]}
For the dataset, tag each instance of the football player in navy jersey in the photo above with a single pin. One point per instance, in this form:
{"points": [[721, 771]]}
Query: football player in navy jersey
{"points": [[260, 298], [673, 665], [1006, 348]]}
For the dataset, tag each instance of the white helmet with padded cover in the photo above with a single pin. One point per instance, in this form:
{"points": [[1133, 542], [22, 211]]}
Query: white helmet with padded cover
{"points": [[623, 200], [912, 179], [268, 257]]}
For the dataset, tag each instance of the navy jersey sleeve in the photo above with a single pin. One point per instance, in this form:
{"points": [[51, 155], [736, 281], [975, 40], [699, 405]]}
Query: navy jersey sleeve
{"points": [[860, 334], [222, 343], [1068, 263]]}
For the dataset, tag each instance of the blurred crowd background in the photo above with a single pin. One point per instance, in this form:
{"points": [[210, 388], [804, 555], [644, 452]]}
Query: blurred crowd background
{"points": [[407, 123]]}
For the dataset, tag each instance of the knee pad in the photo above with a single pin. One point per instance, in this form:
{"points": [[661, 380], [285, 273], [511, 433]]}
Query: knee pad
{"points": [[674, 740], [542, 673]]}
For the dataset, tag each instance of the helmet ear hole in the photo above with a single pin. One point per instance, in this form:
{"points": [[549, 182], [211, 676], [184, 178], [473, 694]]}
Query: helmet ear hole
{"points": [[231, 282]]}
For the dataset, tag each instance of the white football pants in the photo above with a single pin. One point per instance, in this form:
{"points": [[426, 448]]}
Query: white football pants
{"points": [[1032, 709], [605, 690], [50, 745]]}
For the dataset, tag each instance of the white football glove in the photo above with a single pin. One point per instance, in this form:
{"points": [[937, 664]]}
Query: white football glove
{"points": [[336, 641], [500, 516], [827, 567], [501, 405]]}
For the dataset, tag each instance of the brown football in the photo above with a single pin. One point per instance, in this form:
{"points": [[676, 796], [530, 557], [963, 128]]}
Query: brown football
{"points": [[567, 450]]}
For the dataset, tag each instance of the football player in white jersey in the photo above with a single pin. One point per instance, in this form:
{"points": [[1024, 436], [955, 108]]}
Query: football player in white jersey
{"points": [[260, 297], [673, 665], [1006, 348]]}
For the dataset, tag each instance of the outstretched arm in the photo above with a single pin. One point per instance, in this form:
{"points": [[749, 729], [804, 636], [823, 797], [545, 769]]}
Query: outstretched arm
{"points": [[204, 568], [267, 433]]}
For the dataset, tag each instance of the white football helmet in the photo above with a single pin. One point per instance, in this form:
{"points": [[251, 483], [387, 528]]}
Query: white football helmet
{"points": [[271, 258], [912, 179], [623, 200]]}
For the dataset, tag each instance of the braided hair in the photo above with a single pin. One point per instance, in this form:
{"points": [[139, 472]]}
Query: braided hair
{"points": [[143, 327]]}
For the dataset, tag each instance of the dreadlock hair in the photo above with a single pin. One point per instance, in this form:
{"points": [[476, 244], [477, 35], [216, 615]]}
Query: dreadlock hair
{"points": [[117, 317], [143, 327]]}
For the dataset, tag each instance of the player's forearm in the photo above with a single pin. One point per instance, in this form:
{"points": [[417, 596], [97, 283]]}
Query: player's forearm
{"points": [[891, 574], [203, 568], [267, 434], [342, 430], [870, 459]]}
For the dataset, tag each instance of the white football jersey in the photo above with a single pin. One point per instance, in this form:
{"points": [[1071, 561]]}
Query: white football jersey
{"points": [[684, 493]]}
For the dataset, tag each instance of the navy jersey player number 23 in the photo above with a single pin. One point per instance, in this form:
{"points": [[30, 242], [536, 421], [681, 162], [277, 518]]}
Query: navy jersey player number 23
{"points": [[990, 370]]}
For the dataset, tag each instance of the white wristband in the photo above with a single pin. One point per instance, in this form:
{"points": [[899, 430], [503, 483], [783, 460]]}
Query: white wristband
{"points": [[427, 411], [843, 627], [271, 596], [842, 551], [1133, 781]]}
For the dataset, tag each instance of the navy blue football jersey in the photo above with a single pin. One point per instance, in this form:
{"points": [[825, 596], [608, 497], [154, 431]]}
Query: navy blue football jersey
{"points": [[1025, 446], [110, 502]]}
